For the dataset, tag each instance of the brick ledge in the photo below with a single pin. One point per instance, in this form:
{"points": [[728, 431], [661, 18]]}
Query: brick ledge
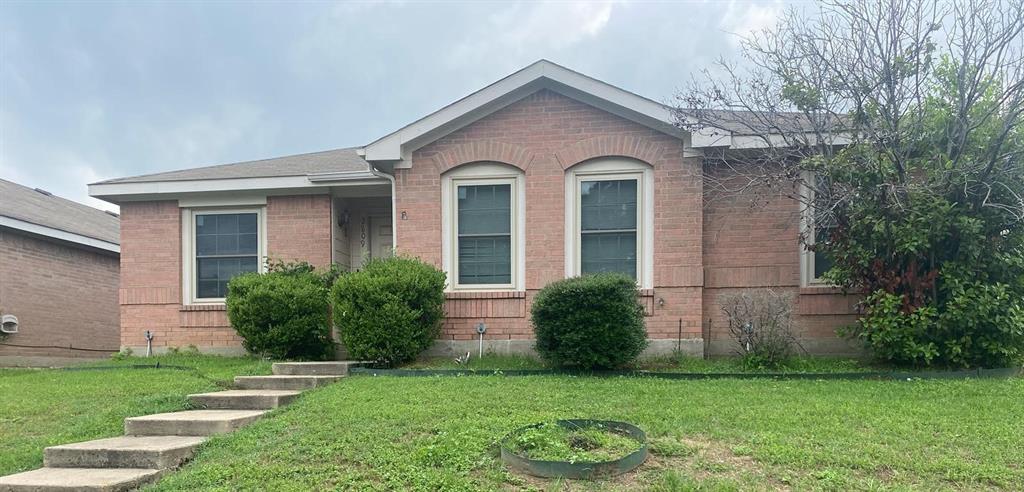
{"points": [[203, 307], [510, 294]]}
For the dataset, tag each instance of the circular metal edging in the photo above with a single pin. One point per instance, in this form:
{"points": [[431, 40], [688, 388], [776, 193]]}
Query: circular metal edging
{"points": [[580, 470]]}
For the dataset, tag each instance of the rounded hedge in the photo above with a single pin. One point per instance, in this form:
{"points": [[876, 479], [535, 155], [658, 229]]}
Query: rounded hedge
{"points": [[390, 311], [282, 315], [589, 322]]}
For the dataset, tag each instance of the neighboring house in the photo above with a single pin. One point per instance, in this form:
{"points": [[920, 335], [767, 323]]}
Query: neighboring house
{"points": [[59, 272], [542, 175]]}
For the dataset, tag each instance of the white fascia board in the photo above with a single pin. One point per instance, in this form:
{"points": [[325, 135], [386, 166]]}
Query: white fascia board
{"points": [[710, 137], [50, 232], [542, 74], [166, 188]]}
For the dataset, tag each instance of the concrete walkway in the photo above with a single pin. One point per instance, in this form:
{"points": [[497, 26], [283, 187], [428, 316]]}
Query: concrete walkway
{"points": [[155, 444]]}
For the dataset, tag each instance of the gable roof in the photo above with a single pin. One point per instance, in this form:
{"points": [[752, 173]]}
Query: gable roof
{"points": [[327, 161], [354, 166], [542, 74], [40, 212]]}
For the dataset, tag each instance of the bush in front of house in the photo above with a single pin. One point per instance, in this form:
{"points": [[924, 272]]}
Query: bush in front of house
{"points": [[589, 322], [390, 311], [761, 323], [281, 314], [982, 325]]}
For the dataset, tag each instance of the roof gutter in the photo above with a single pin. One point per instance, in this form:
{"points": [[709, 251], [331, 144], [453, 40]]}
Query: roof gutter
{"points": [[340, 176]]}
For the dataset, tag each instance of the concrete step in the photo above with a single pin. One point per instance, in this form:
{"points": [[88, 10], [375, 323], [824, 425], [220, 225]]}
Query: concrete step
{"points": [[190, 422], [154, 452], [79, 479], [245, 399], [328, 368], [283, 382]]}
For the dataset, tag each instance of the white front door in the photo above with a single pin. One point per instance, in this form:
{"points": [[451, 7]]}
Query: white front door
{"points": [[380, 237]]}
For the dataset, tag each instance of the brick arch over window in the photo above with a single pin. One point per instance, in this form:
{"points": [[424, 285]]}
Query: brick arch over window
{"points": [[637, 148], [488, 150]]}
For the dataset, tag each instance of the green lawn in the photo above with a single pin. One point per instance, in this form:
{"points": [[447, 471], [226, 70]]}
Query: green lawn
{"points": [[40, 408], [437, 433]]}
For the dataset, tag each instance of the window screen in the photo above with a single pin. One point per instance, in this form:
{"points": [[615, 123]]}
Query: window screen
{"points": [[608, 226], [485, 234], [226, 245]]}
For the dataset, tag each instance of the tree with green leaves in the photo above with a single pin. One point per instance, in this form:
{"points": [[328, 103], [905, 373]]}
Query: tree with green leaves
{"points": [[897, 126]]}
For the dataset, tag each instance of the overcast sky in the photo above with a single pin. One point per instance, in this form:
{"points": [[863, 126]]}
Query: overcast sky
{"points": [[90, 91]]}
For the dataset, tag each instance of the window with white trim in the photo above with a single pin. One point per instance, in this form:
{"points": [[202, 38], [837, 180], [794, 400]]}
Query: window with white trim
{"points": [[609, 219], [483, 221], [817, 227], [217, 246]]}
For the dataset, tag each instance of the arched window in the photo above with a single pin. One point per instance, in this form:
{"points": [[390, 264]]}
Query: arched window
{"points": [[483, 226], [609, 218]]}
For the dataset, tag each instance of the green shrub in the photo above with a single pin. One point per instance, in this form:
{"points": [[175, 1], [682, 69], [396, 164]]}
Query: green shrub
{"points": [[390, 311], [981, 325], [281, 314], [590, 322]]}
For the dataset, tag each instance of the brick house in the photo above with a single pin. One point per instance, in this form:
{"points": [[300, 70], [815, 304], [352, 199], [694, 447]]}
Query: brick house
{"points": [[59, 270], [544, 174]]}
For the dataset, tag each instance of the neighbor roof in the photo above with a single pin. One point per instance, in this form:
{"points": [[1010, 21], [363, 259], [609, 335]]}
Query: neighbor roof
{"points": [[327, 161], [25, 207]]}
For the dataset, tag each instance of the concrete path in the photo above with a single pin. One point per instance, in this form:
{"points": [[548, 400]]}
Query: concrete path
{"points": [[155, 444]]}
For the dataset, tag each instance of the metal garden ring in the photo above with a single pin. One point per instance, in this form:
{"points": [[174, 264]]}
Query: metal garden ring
{"points": [[583, 469]]}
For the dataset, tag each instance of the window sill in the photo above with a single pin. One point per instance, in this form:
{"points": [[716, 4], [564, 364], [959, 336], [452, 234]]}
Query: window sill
{"points": [[504, 294], [204, 307], [822, 289]]}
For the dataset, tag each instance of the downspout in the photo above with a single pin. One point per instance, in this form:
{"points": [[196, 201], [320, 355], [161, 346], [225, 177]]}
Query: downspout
{"points": [[394, 204]]}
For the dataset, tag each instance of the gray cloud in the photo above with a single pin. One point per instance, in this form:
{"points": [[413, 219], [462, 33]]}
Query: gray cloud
{"points": [[94, 91]]}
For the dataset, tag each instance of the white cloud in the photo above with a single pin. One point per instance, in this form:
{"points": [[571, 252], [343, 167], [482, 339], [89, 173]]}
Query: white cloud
{"points": [[521, 33], [743, 18]]}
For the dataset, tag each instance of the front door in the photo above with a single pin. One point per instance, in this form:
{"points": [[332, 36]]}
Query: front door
{"points": [[380, 237]]}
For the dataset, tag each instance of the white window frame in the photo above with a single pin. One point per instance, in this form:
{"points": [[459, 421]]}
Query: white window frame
{"points": [[612, 169], [188, 248], [483, 173], [808, 234]]}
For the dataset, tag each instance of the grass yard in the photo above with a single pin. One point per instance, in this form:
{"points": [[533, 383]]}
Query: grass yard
{"points": [[437, 433], [40, 408]]}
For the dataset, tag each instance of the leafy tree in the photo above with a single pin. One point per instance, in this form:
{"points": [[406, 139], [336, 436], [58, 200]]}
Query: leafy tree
{"points": [[897, 124]]}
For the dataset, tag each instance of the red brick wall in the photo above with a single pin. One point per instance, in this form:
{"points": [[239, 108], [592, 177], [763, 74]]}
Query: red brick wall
{"points": [[545, 134], [298, 228], [62, 294], [753, 241]]}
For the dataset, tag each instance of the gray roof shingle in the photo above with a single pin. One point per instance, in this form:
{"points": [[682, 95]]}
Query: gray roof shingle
{"points": [[29, 205], [326, 161]]}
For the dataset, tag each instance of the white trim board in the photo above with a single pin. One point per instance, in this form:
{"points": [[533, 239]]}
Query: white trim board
{"points": [[157, 190], [50, 232]]}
